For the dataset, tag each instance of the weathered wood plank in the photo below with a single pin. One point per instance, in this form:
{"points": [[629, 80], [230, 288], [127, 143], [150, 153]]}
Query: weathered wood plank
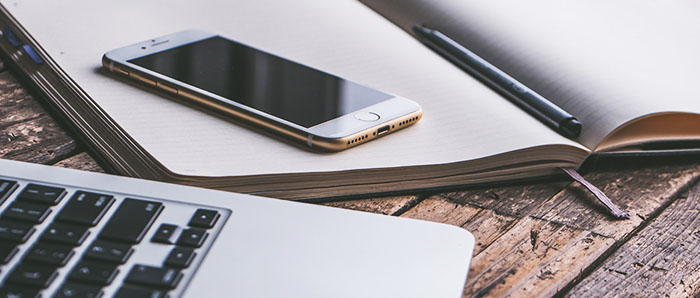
{"points": [[530, 256], [508, 257], [16, 104], [486, 225], [643, 191], [640, 191], [487, 213], [660, 261], [38, 140], [27, 132], [388, 205], [80, 161], [440, 209], [516, 200]]}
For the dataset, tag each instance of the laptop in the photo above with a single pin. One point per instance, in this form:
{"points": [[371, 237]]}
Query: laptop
{"points": [[69, 233]]}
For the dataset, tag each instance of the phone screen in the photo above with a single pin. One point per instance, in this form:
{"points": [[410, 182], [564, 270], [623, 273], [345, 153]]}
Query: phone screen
{"points": [[285, 89]]}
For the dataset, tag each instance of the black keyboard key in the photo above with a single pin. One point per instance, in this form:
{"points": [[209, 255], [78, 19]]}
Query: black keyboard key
{"points": [[157, 277], [15, 231], [85, 208], [33, 275], [42, 194], [204, 218], [6, 189], [138, 292], [180, 257], [192, 237], [109, 251], [65, 233], [18, 292], [49, 253], [167, 234], [24, 211], [77, 290], [131, 221], [7, 251], [94, 273]]}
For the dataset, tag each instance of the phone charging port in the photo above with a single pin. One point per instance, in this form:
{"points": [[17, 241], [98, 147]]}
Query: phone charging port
{"points": [[382, 130]]}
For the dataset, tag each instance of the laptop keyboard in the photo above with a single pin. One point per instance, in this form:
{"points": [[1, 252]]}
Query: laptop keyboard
{"points": [[65, 241]]}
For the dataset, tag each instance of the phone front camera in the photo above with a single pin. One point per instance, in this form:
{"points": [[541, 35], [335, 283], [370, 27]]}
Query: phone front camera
{"points": [[143, 48]]}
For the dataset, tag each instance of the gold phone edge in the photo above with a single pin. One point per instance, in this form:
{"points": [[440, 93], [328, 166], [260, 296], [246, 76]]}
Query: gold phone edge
{"points": [[368, 134], [302, 137]]}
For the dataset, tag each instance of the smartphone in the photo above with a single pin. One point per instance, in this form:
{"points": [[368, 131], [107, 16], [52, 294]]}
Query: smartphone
{"points": [[301, 103]]}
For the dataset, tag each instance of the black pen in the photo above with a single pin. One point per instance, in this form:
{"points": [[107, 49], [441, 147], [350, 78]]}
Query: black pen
{"points": [[528, 100]]}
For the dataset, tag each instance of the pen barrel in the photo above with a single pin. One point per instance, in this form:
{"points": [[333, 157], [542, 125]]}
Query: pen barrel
{"points": [[531, 102], [508, 87]]}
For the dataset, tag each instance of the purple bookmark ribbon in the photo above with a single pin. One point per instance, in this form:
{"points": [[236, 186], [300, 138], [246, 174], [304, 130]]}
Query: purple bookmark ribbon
{"points": [[597, 193]]}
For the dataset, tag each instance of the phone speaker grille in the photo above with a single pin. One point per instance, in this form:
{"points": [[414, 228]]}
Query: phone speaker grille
{"points": [[358, 139], [407, 121], [362, 138]]}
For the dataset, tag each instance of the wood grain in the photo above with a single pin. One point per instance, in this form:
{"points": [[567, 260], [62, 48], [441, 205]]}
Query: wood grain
{"points": [[486, 225], [387, 205], [38, 140], [81, 161], [16, 105], [641, 191], [556, 234], [661, 261], [515, 200], [27, 132], [532, 256]]}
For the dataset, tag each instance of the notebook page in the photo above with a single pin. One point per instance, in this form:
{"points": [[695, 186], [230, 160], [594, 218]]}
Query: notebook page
{"points": [[462, 119], [606, 62]]}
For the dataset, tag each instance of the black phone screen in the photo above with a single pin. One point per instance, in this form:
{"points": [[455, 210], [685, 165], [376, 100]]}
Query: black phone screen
{"points": [[279, 87]]}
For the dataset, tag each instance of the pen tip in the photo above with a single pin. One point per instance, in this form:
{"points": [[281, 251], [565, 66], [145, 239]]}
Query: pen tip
{"points": [[571, 128]]}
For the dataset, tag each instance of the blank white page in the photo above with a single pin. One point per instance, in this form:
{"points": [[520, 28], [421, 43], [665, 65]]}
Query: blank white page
{"points": [[463, 120], [606, 62]]}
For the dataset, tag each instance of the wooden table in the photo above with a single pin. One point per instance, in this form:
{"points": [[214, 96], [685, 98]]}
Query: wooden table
{"points": [[549, 238]]}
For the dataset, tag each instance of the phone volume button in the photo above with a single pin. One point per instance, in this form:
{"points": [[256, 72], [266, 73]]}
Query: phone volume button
{"points": [[146, 80], [123, 72], [166, 87]]}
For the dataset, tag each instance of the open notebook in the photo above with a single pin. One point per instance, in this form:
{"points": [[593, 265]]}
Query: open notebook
{"points": [[468, 134]]}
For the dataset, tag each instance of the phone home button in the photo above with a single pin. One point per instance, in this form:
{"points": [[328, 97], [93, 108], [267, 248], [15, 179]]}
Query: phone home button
{"points": [[367, 116]]}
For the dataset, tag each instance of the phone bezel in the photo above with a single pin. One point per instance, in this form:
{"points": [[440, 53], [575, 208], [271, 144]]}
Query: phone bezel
{"points": [[334, 134]]}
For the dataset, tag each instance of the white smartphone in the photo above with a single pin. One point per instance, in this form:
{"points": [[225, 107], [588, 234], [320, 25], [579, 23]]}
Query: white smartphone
{"points": [[290, 99]]}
